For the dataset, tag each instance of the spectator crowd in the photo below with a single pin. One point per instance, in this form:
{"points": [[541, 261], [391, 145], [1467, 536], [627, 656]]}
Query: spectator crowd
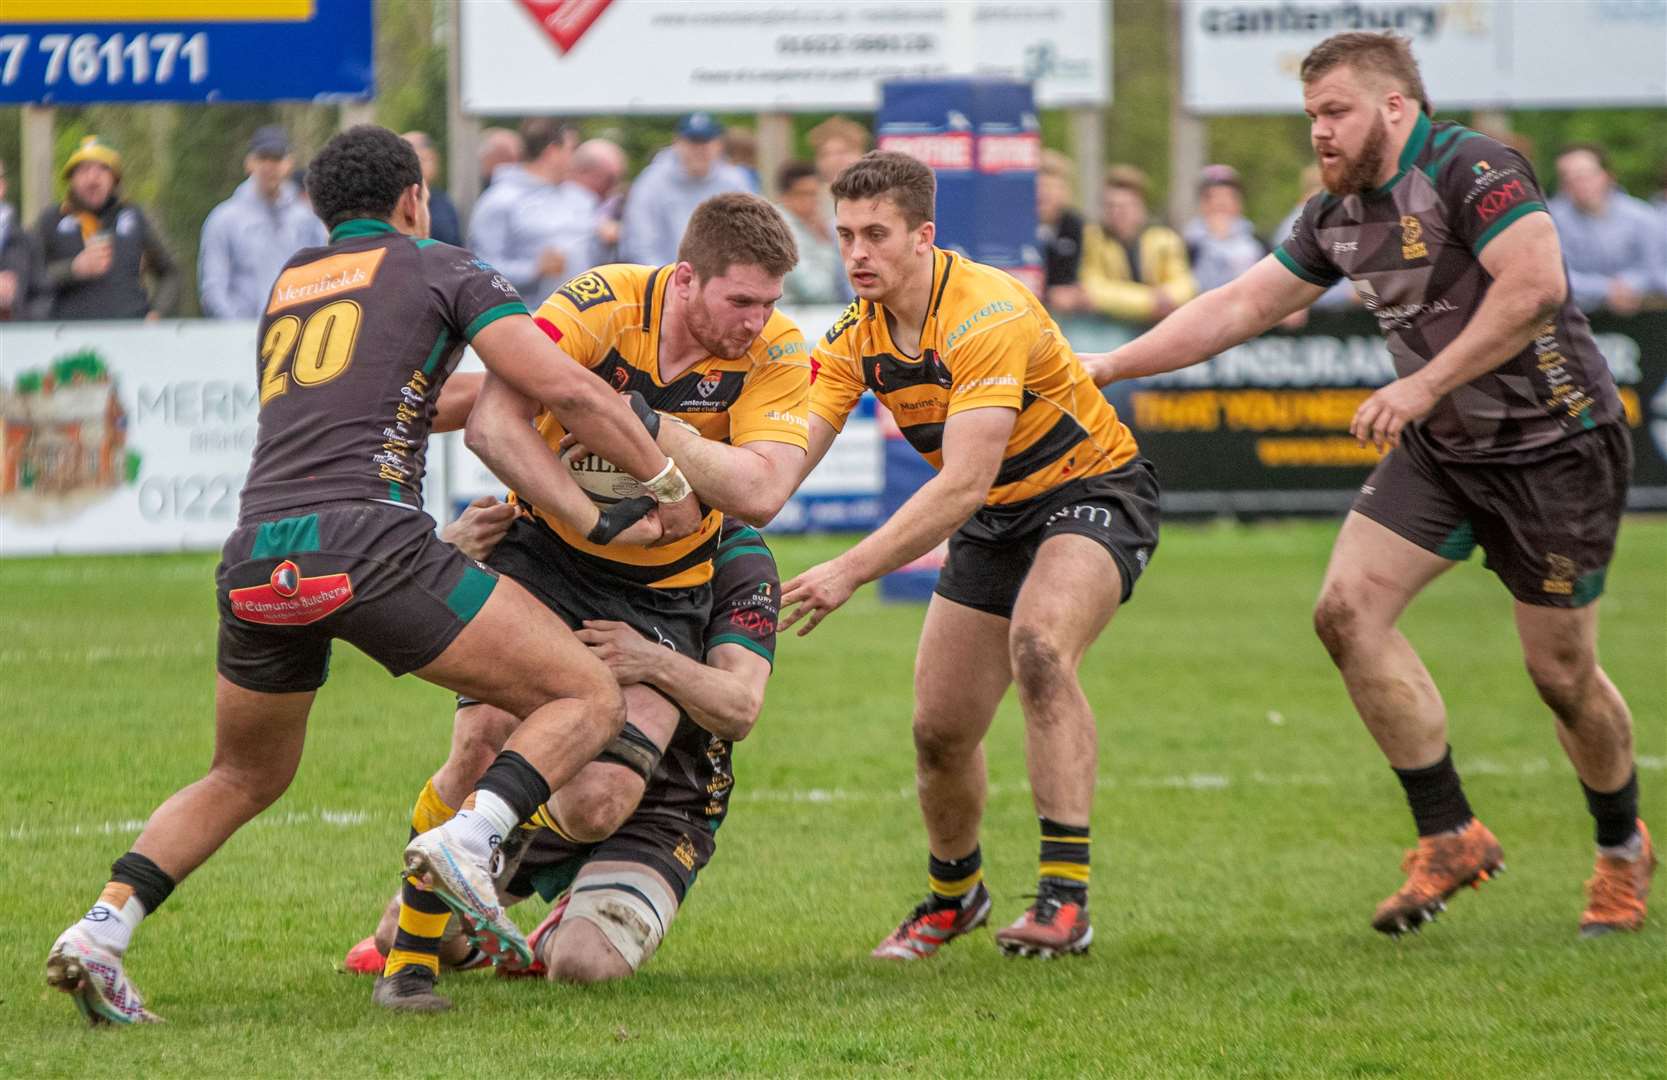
{"points": [[553, 205]]}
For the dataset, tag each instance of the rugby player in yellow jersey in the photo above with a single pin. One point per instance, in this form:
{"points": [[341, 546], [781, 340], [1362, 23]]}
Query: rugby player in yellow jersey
{"points": [[699, 340], [1050, 513]]}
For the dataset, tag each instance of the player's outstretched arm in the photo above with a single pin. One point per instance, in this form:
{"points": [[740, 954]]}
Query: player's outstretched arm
{"points": [[1250, 304], [973, 444], [501, 434], [516, 351], [752, 482], [723, 695], [1526, 263]]}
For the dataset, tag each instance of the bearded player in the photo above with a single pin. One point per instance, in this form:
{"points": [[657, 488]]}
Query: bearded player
{"points": [[1051, 516], [1505, 431], [357, 340], [701, 341]]}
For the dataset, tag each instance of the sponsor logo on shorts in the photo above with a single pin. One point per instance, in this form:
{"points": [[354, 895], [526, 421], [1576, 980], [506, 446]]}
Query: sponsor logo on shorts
{"points": [[1098, 516], [1560, 573], [1338, 247], [587, 290], [661, 638], [1142, 556], [684, 853], [291, 599], [1412, 239]]}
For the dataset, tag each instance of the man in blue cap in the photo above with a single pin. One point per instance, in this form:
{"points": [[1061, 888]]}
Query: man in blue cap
{"points": [[665, 194], [248, 238]]}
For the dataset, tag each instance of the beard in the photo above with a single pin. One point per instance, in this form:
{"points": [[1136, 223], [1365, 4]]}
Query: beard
{"points": [[704, 329], [1358, 175]]}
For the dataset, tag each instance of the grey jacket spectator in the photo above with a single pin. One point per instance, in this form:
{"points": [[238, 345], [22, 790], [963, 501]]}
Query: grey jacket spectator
{"points": [[820, 276], [98, 248], [247, 239], [666, 193], [21, 272], [534, 225], [1221, 241], [1613, 244]]}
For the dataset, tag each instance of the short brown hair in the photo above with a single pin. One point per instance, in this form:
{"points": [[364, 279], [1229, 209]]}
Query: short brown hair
{"points": [[1128, 178], [737, 228], [837, 127], [904, 180], [1388, 55]]}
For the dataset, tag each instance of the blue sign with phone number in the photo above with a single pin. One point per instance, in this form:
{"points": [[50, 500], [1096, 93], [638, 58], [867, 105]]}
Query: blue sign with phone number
{"points": [[324, 56]]}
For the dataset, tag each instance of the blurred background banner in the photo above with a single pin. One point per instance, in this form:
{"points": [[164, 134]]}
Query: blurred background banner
{"points": [[92, 51], [614, 56], [1242, 56]]}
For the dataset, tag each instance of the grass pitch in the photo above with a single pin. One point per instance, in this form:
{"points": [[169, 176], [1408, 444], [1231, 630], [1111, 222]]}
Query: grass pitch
{"points": [[1244, 830]]}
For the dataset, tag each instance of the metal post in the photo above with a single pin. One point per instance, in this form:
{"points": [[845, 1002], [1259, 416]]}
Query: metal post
{"points": [[775, 147], [1088, 145], [35, 170], [462, 130]]}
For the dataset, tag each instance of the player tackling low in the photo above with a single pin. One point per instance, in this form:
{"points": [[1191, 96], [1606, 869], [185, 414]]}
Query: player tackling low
{"points": [[357, 340], [1506, 432], [1050, 513]]}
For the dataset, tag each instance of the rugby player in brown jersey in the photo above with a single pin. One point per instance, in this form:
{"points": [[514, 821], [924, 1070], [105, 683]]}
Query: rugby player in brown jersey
{"points": [[1504, 429], [700, 340], [356, 343], [1050, 513]]}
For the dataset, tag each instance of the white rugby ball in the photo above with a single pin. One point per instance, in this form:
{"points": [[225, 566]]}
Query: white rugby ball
{"points": [[605, 482]]}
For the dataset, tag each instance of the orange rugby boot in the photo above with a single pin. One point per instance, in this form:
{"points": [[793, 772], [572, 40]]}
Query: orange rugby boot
{"points": [[1616, 892], [1437, 868], [925, 931]]}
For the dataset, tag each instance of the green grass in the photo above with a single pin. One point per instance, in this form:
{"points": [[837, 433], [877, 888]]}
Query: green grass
{"points": [[1245, 828]]}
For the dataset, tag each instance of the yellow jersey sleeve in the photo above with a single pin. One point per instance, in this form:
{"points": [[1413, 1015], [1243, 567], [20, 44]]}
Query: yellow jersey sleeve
{"points": [[773, 404], [836, 379], [987, 366], [581, 312]]}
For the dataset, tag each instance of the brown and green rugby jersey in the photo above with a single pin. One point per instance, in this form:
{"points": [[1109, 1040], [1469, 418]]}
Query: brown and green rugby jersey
{"points": [[1411, 249], [357, 339]]}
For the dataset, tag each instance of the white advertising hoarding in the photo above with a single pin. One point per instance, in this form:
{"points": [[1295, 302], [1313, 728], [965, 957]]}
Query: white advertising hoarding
{"points": [[666, 56], [1242, 56]]}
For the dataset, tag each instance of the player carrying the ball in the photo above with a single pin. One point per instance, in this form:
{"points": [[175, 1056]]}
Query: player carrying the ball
{"points": [[1050, 513], [699, 340]]}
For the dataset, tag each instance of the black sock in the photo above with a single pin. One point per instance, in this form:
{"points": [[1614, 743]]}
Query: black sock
{"points": [[954, 880], [1436, 797], [1063, 868], [1616, 812], [150, 884], [513, 779]]}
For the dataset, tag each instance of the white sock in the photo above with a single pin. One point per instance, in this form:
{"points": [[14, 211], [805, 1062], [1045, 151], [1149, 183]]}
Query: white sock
{"points": [[1630, 851], [113, 926], [482, 828]]}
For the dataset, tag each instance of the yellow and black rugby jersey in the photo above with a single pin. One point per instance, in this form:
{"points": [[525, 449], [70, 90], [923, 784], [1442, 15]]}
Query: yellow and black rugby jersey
{"points": [[609, 320], [987, 342]]}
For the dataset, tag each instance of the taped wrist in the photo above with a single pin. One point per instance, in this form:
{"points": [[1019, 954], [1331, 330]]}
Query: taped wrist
{"points": [[620, 516], [669, 485], [634, 750]]}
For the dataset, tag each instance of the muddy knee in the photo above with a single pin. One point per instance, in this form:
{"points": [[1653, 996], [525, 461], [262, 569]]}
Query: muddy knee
{"points": [[1039, 668], [1336, 622]]}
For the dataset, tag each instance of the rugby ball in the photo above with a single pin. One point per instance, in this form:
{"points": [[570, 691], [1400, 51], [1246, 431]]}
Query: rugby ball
{"points": [[605, 482]]}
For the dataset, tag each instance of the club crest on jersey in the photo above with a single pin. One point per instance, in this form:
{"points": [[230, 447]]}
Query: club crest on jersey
{"points": [[587, 290], [708, 386], [1412, 239], [621, 378], [844, 322], [289, 598]]}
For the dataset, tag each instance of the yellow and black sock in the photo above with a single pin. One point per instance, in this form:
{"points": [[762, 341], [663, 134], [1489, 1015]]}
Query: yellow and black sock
{"points": [[953, 881], [1064, 861], [422, 915]]}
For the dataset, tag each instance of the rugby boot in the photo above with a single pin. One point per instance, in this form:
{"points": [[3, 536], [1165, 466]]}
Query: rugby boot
{"points": [[539, 941], [1437, 868], [410, 989], [1053, 926], [928, 929], [1616, 892], [93, 975], [439, 863]]}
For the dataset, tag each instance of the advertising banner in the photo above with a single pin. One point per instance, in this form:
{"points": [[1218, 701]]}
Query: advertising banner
{"points": [[57, 52], [667, 56], [1242, 56]]}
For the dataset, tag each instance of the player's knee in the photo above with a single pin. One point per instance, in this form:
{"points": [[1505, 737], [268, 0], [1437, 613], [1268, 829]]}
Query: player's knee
{"points": [[1336, 621], [595, 817], [259, 787], [586, 957], [940, 746], [1039, 667], [1562, 674]]}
